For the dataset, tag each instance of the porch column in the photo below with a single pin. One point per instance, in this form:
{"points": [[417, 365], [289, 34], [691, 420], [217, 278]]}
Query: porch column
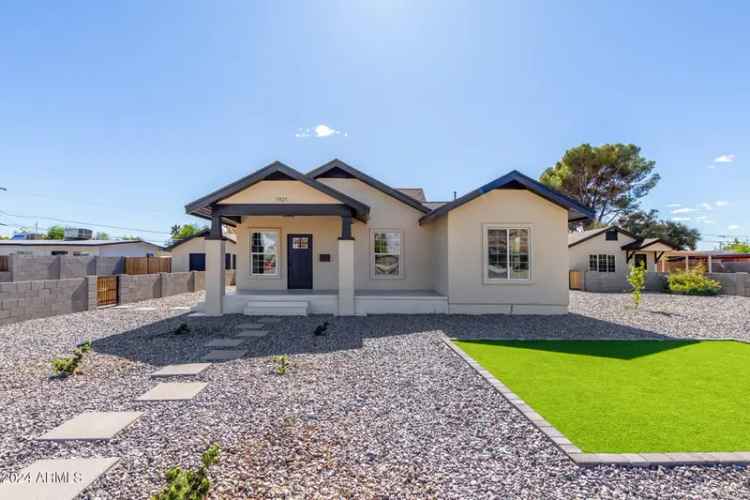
{"points": [[346, 268], [215, 276]]}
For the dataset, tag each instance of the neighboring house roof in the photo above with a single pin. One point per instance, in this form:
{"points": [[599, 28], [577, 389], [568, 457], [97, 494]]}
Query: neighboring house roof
{"points": [[202, 234], [432, 205], [416, 193], [338, 169], [275, 171], [74, 243], [516, 180], [576, 237], [642, 243]]}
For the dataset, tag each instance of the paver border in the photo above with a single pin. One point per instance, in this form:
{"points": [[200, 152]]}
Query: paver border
{"points": [[591, 459]]}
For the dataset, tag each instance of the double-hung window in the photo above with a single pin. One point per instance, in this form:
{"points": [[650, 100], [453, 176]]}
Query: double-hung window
{"points": [[387, 261], [507, 254], [264, 252]]}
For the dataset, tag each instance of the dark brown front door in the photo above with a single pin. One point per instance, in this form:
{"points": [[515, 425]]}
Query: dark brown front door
{"points": [[299, 261], [640, 260]]}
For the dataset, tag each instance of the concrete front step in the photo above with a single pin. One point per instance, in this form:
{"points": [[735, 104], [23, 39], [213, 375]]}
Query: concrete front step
{"points": [[277, 308]]}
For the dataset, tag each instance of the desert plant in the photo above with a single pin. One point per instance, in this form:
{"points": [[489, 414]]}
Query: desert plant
{"points": [[188, 484], [693, 282], [637, 279], [282, 364], [69, 365]]}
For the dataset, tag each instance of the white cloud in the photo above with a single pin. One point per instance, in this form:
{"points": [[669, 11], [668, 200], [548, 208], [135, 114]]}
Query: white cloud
{"points": [[684, 210], [721, 203], [706, 206], [673, 205], [319, 132], [725, 158], [680, 219], [733, 227]]}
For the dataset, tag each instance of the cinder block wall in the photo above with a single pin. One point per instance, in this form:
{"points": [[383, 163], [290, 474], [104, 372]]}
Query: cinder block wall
{"points": [[20, 301], [199, 281], [32, 268], [175, 283], [134, 288]]}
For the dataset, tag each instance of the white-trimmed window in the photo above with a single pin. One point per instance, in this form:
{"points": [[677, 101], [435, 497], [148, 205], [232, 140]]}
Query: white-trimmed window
{"points": [[387, 259], [507, 253], [264, 252], [602, 263]]}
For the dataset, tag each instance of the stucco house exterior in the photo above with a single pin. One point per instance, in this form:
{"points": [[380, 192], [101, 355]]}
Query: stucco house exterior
{"points": [[189, 254], [605, 254], [336, 240]]}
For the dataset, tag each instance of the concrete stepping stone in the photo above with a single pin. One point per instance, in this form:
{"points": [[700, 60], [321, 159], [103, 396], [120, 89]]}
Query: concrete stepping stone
{"points": [[250, 325], [270, 320], [180, 308], [183, 370], [55, 479], [252, 333], [147, 308], [224, 343], [223, 355], [92, 425], [174, 391]]}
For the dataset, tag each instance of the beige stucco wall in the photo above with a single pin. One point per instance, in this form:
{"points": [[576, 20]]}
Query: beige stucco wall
{"points": [[280, 192], [440, 275], [547, 290], [181, 253], [387, 212]]}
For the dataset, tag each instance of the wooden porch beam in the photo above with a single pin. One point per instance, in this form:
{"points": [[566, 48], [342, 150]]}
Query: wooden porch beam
{"points": [[301, 209]]}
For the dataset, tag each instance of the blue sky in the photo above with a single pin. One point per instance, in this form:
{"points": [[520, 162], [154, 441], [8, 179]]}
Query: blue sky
{"points": [[119, 114]]}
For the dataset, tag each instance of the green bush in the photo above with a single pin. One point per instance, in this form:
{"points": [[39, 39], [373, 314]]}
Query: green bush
{"points": [[693, 282], [69, 366], [187, 484]]}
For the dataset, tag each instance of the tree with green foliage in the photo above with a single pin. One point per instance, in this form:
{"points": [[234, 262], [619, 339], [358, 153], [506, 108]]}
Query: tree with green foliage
{"points": [[648, 225], [101, 235], [128, 237], [56, 232], [637, 279], [611, 178], [738, 246], [180, 232]]}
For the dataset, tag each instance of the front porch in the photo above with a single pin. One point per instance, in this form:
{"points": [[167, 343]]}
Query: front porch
{"points": [[304, 302]]}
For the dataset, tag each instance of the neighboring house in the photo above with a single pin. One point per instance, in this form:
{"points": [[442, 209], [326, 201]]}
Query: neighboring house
{"points": [[337, 241], [103, 248], [189, 254], [606, 253]]}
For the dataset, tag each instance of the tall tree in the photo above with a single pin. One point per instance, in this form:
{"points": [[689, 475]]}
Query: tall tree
{"points": [[738, 246], [610, 178], [648, 225], [56, 233], [101, 235]]}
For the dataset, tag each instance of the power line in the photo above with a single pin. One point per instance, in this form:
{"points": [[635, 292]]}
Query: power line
{"points": [[122, 228]]}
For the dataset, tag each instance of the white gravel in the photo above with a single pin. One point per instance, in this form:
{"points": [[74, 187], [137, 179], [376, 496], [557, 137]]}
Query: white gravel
{"points": [[377, 408]]}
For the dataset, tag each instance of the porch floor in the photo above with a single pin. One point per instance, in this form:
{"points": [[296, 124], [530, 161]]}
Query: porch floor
{"points": [[358, 293]]}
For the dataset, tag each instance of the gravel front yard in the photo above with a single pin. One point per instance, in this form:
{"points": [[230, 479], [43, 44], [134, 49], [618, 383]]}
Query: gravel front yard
{"points": [[378, 407]]}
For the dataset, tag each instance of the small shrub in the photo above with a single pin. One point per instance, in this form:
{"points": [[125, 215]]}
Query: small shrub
{"points": [[637, 279], [183, 329], [64, 367], [187, 484], [282, 364], [693, 282]]}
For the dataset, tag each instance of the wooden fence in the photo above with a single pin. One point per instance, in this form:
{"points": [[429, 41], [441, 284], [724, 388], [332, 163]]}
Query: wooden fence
{"points": [[148, 265], [4, 263], [575, 280]]}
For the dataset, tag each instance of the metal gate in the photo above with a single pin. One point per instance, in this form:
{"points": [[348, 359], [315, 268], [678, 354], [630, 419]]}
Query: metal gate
{"points": [[106, 290]]}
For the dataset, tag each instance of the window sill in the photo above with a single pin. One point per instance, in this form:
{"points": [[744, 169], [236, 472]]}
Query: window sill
{"points": [[265, 276], [508, 282]]}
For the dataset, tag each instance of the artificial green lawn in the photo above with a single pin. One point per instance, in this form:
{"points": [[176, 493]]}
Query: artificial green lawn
{"points": [[630, 396]]}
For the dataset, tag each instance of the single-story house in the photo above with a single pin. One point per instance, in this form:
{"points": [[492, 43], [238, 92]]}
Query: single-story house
{"points": [[336, 240], [189, 254], [606, 254], [103, 248]]}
